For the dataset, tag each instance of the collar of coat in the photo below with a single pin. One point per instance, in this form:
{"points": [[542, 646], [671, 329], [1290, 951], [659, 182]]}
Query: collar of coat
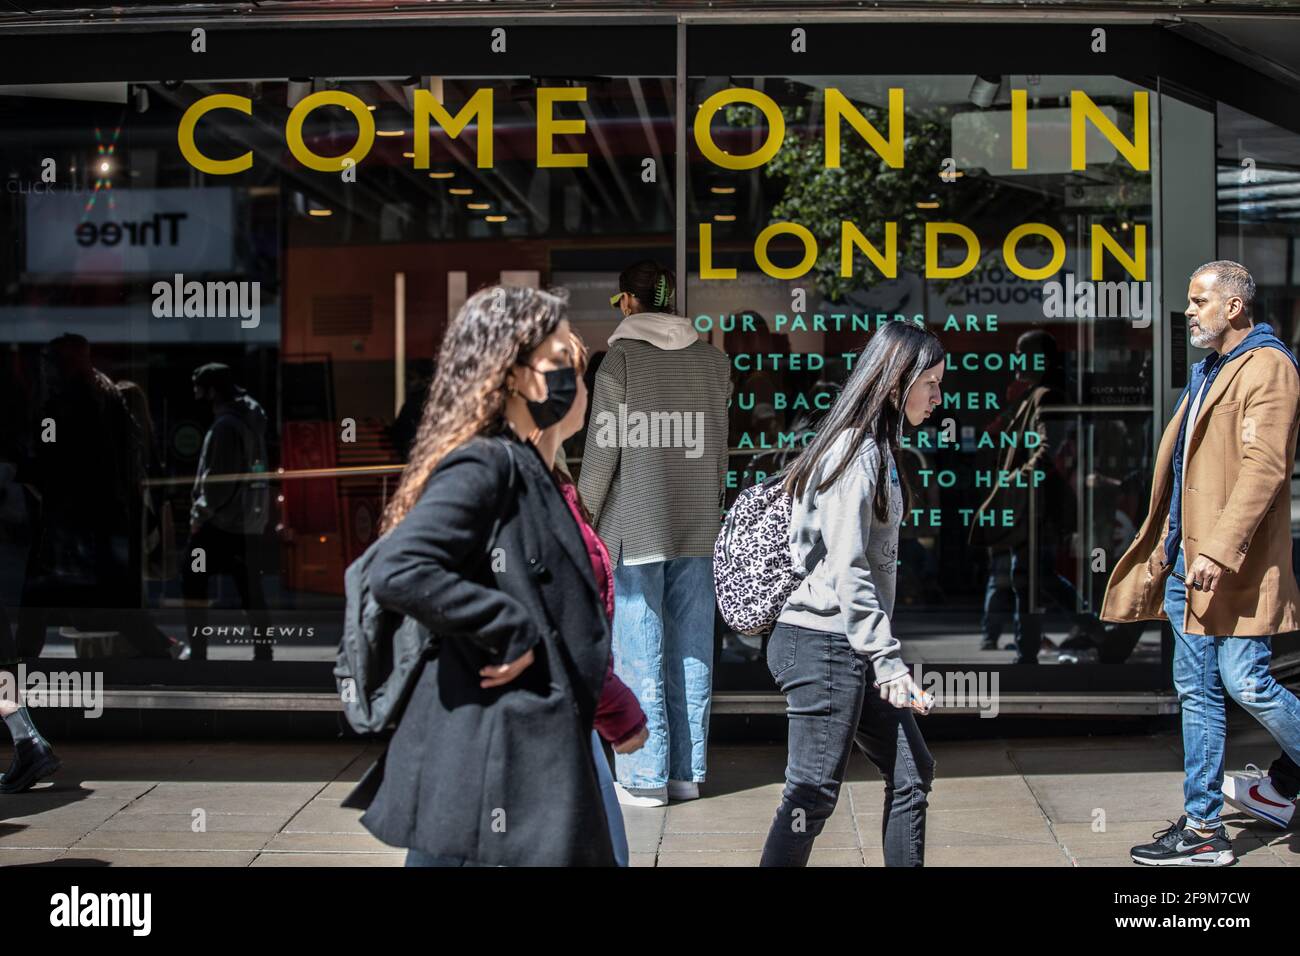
{"points": [[558, 519], [1261, 335], [1207, 370]]}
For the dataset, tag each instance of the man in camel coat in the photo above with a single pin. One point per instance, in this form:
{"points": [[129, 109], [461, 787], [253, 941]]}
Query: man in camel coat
{"points": [[1214, 554]]}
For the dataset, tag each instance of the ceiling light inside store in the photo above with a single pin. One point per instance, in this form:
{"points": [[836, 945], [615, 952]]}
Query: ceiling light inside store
{"points": [[390, 132], [724, 217], [722, 190], [478, 206], [439, 173], [461, 191], [320, 212], [496, 218], [927, 205]]}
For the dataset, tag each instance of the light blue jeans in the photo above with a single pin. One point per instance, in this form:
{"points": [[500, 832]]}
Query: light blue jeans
{"points": [[663, 651], [1204, 668], [613, 812]]}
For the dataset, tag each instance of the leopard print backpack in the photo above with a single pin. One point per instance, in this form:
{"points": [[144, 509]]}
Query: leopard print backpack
{"points": [[752, 571]]}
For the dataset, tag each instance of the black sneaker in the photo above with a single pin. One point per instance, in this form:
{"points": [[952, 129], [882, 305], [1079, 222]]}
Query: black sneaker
{"points": [[1180, 846]]}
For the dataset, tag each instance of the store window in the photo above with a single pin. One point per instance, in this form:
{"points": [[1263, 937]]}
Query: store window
{"points": [[1258, 175], [199, 286], [324, 293], [1020, 504]]}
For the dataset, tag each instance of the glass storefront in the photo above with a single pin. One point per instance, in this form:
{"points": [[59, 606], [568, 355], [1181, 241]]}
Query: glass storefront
{"points": [[300, 216]]}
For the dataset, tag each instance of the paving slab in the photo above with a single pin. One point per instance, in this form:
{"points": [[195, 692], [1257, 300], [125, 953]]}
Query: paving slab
{"points": [[1012, 802], [141, 857], [395, 858], [103, 839], [323, 842]]}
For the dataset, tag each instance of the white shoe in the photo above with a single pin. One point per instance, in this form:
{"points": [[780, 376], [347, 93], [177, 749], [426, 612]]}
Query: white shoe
{"points": [[641, 796], [1252, 792], [683, 790]]}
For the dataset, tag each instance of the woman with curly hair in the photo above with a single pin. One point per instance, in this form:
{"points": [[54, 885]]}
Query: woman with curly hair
{"points": [[491, 762]]}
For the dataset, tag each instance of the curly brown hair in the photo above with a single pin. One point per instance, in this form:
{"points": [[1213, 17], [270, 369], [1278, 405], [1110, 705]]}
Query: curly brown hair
{"points": [[495, 328]]}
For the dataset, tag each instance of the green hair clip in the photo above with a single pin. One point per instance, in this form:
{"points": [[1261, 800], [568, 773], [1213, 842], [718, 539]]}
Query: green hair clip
{"points": [[661, 291]]}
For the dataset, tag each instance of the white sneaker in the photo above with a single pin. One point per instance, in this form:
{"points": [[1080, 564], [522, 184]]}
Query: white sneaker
{"points": [[1252, 792], [641, 796], [683, 790]]}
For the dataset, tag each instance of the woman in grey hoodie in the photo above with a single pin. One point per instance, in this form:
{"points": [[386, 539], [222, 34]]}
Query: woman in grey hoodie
{"points": [[832, 644]]}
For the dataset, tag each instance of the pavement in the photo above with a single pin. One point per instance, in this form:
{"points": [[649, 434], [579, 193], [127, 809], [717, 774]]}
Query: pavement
{"points": [[1063, 801]]}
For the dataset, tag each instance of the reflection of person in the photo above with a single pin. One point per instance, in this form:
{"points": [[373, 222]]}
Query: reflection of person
{"points": [[619, 718], [1214, 553], [1113, 528], [491, 762], [228, 517], [652, 475], [758, 387], [1014, 481], [833, 635], [156, 552], [88, 470], [34, 758], [404, 426], [918, 557], [999, 598]]}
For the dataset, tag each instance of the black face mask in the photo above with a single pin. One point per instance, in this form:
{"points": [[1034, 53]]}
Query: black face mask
{"points": [[561, 391]]}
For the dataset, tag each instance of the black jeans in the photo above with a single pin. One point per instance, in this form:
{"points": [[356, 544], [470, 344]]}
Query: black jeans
{"points": [[831, 703]]}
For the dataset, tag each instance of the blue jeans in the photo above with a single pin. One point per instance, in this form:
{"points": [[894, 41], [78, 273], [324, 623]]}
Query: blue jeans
{"points": [[663, 651], [830, 703], [613, 813], [1204, 668]]}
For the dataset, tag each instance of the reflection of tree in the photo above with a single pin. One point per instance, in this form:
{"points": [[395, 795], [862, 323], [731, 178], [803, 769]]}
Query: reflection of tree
{"points": [[866, 190]]}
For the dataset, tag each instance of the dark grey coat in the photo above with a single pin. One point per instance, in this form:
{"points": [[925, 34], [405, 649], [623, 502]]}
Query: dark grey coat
{"points": [[501, 776]]}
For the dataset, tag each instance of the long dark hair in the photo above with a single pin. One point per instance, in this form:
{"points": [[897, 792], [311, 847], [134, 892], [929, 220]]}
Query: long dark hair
{"points": [[871, 406], [493, 330]]}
